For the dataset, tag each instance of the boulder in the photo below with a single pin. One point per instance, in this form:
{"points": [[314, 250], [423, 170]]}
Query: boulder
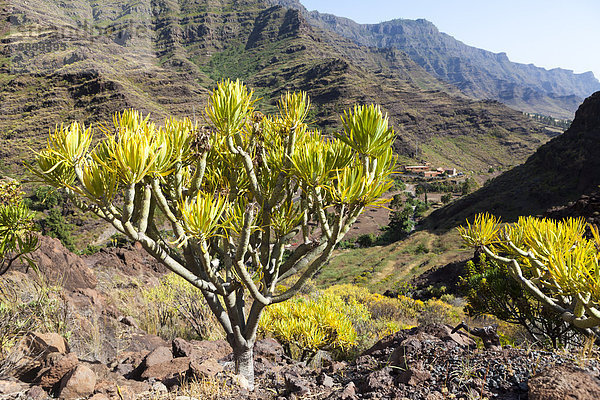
{"points": [[407, 347], [32, 351], [181, 348], [414, 375], [141, 341], [78, 383], [11, 386], [159, 355], [270, 349], [37, 393], [379, 381], [129, 321], [561, 383], [349, 392], [325, 381], [205, 369], [45, 343], [295, 384], [205, 349], [170, 373], [58, 264], [58, 365]]}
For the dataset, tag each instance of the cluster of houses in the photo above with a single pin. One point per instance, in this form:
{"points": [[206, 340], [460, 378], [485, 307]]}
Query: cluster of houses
{"points": [[428, 171]]}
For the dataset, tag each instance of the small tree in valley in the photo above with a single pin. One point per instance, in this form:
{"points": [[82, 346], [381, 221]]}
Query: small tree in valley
{"points": [[235, 193]]}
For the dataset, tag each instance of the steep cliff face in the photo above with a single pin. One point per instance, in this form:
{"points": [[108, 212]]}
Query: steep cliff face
{"points": [[477, 73], [85, 60], [558, 172]]}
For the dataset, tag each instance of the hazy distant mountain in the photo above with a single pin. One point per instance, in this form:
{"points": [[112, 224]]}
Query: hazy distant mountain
{"points": [[476, 72], [78, 59]]}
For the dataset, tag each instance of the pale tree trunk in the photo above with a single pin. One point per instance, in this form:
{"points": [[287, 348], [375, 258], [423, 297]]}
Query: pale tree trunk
{"points": [[243, 356]]}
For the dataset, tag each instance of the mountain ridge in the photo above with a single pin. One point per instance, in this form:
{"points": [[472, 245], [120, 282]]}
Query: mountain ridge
{"points": [[163, 57], [476, 72]]}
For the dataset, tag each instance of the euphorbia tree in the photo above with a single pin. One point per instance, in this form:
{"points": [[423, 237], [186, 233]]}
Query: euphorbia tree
{"points": [[554, 261], [17, 237], [235, 193]]}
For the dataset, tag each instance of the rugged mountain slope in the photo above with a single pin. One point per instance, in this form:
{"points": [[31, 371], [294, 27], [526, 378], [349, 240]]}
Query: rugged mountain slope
{"points": [[558, 172], [476, 72], [87, 59]]}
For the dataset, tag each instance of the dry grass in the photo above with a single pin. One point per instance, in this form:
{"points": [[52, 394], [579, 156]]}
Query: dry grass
{"points": [[198, 389], [387, 267]]}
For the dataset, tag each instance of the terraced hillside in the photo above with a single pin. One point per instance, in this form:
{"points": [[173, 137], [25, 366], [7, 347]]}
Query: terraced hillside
{"points": [[81, 59]]}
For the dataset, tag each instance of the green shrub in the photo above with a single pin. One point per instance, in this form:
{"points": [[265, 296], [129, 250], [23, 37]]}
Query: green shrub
{"points": [[366, 240], [421, 249], [55, 225], [45, 198], [398, 184]]}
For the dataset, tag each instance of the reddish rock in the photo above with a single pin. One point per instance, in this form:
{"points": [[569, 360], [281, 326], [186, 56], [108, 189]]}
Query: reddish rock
{"points": [[121, 389], [561, 383], [170, 373], [336, 366], [129, 321], [99, 396], [93, 295], [270, 349], [379, 380], [407, 347], [181, 348], [58, 264], [37, 393], [326, 381], [297, 385], [444, 332], [349, 392], [414, 375], [143, 342], [58, 366], [205, 349], [46, 343], [159, 355], [11, 386], [78, 383], [206, 369]]}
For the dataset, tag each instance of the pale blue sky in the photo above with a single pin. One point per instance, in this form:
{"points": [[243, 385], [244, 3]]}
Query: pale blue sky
{"points": [[547, 33]]}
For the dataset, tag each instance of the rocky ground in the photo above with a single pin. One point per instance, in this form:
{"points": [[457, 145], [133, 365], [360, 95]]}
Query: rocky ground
{"points": [[428, 362], [421, 363]]}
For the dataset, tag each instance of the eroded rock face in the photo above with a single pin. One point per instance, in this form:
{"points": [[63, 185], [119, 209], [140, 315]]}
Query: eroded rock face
{"points": [[563, 383], [58, 365], [60, 265]]}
